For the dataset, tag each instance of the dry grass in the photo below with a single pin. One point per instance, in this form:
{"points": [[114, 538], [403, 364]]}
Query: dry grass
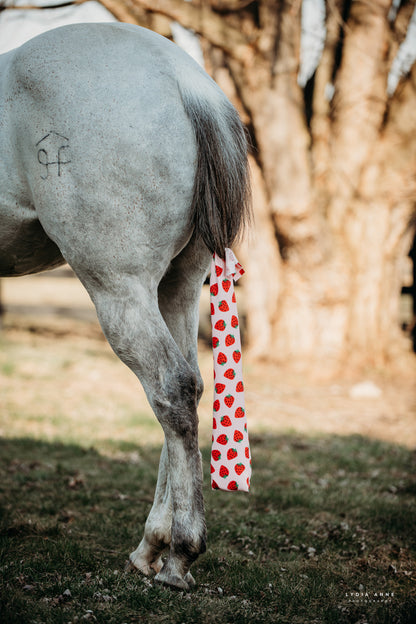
{"points": [[53, 341]]}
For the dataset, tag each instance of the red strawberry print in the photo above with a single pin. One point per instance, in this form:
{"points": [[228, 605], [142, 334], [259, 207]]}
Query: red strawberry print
{"points": [[229, 400], [238, 436], [226, 284], [237, 356], [224, 472], [222, 358], [239, 412], [229, 340], [230, 467]]}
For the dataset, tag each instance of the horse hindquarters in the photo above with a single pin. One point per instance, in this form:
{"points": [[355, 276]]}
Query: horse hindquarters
{"points": [[111, 168]]}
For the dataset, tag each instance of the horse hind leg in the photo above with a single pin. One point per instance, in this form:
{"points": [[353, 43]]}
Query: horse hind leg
{"points": [[179, 293], [135, 329], [158, 527], [178, 296]]}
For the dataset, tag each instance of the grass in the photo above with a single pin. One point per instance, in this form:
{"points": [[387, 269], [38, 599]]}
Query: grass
{"points": [[328, 527], [327, 517]]}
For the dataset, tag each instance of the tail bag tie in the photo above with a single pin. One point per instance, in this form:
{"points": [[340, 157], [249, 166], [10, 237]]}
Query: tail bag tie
{"points": [[230, 453]]}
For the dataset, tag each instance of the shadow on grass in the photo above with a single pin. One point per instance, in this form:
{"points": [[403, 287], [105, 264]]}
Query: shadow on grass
{"points": [[326, 535]]}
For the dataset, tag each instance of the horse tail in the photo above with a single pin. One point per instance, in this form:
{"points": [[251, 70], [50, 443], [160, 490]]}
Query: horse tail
{"points": [[221, 203]]}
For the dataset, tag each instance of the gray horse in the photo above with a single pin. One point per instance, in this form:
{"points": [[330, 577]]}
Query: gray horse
{"points": [[120, 156]]}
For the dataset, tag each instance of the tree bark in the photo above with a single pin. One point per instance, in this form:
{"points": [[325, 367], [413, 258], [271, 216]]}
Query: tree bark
{"points": [[334, 191]]}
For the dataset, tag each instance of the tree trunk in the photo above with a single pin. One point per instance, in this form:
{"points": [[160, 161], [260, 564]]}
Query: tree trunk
{"points": [[334, 189]]}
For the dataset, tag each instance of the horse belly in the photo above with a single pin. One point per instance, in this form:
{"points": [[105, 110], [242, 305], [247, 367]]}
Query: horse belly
{"points": [[25, 248]]}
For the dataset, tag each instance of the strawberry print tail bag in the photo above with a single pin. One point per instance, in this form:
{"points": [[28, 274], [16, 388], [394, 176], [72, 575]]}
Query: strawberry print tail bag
{"points": [[230, 454]]}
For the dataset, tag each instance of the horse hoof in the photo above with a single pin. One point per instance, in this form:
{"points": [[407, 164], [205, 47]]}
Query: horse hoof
{"points": [[129, 566], [190, 579], [172, 580], [138, 566], [157, 565]]}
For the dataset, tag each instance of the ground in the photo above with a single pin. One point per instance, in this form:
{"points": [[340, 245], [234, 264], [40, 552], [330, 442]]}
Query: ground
{"points": [[325, 536]]}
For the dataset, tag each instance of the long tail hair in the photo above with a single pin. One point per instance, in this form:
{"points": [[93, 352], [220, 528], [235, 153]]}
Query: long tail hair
{"points": [[221, 204]]}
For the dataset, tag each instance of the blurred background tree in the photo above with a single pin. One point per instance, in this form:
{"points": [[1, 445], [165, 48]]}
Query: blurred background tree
{"points": [[333, 133], [334, 170]]}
